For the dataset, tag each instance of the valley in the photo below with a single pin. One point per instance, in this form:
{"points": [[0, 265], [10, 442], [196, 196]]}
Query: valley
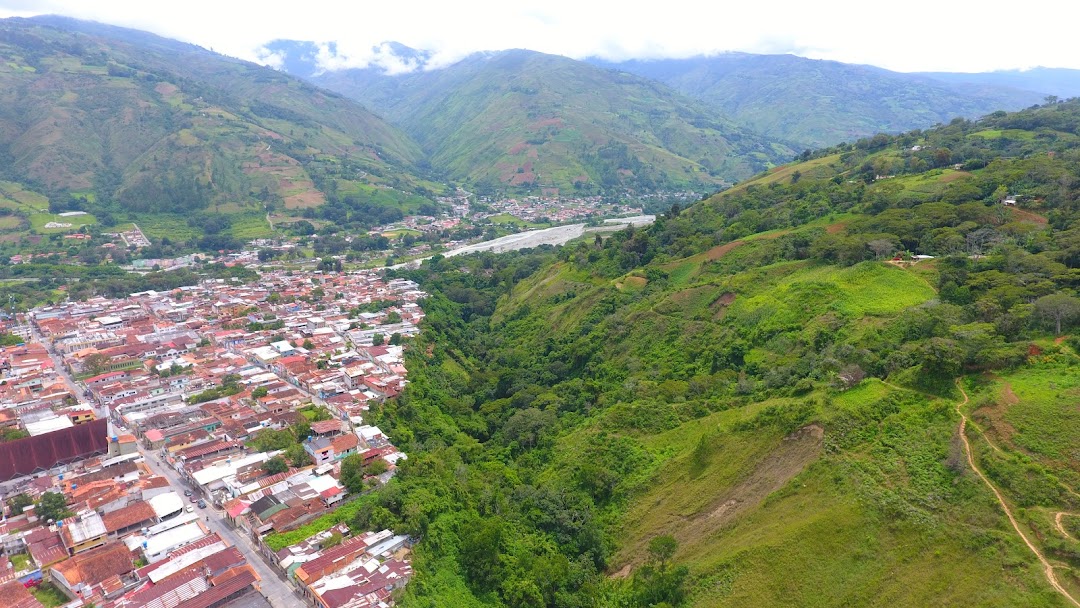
{"points": [[524, 330]]}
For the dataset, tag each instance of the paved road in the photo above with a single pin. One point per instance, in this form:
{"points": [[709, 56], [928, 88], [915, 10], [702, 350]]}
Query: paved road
{"points": [[279, 593], [58, 363]]}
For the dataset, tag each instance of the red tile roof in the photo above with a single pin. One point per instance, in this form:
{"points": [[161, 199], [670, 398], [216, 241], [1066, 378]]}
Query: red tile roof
{"points": [[326, 426], [128, 516], [96, 565], [14, 595]]}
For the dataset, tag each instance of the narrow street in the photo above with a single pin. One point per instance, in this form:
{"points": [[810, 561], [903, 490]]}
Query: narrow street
{"points": [[58, 364], [279, 593]]}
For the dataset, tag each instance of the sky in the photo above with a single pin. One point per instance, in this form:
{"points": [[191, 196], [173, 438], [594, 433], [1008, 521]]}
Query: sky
{"points": [[915, 35]]}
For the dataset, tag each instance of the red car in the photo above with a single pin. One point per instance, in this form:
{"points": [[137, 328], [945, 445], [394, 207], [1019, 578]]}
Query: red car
{"points": [[194, 499]]}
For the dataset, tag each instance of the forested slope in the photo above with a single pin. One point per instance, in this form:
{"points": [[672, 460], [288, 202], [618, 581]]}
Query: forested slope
{"points": [[123, 123], [751, 404]]}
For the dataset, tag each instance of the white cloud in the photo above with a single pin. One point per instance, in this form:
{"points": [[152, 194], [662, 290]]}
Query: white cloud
{"points": [[909, 36]]}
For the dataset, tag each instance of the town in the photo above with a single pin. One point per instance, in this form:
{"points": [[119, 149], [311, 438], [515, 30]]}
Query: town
{"points": [[154, 442]]}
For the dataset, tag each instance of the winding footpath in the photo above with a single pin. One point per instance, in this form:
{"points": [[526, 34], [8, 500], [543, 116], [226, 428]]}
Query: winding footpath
{"points": [[1047, 568]]}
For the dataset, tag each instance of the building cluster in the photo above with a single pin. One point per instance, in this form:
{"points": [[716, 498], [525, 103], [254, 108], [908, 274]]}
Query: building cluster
{"points": [[124, 537], [356, 572], [204, 389], [559, 209], [34, 397]]}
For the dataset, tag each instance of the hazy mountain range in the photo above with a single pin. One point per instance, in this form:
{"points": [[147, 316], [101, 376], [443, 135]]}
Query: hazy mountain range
{"points": [[151, 124]]}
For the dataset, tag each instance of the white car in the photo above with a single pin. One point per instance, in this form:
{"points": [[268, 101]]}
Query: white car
{"points": [[190, 509]]}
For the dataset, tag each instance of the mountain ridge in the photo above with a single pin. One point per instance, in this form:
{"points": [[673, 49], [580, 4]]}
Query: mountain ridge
{"points": [[521, 117], [136, 122]]}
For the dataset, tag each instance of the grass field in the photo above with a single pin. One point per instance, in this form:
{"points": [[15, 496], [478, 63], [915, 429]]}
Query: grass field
{"points": [[38, 222], [1007, 133], [250, 226], [784, 173], [20, 561], [398, 232], [762, 521], [49, 595], [157, 226]]}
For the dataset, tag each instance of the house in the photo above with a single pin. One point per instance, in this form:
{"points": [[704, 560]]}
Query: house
{"points": [[320, 450], [83, 532], [1009, 201], [77, 576], [129, 518], [344, 445], [14, 595]]}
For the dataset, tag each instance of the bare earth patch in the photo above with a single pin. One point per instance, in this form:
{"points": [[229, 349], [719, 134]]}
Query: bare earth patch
{"points": [[721, 304], [1023, 215], [952, 177], [721, 250]]}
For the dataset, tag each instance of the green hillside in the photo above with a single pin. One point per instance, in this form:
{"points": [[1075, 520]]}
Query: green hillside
{"points": [[751, 403], [525, 119], [820, 103], [128, 124]]}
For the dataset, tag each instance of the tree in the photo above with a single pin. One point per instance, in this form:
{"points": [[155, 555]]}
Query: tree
{"points": [[480, 552], [352, 473], [18, 503], [95, 364], [377, 340], [882, 248], [259, 392], [395, 339], [308, 344], [657, 583], [297, 455], [393, 317], [377, 467], [52, 507], [275, 465], [1058, 308]]}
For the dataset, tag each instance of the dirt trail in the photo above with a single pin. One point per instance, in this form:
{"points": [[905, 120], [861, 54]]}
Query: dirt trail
{"points": [[1060, 527], [1048, 569]]}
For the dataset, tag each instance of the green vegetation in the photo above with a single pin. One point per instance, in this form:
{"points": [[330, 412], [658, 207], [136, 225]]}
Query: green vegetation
{"points": [[17, 503], [176, 131], [520, 120], [49, 595], [821, 103], [758, 380], [52, 507], [20, 561], [275, 465], [229, 386]]}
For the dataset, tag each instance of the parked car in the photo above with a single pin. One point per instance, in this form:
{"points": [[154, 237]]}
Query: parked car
{"points": [[194, 499], [190, 509], [202, 504], [187, 492]]}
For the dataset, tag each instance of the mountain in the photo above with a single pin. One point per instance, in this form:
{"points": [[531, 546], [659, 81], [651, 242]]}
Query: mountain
{"points": [[1062, 82], [522, 118], [765, 399], [135, 123], [820, 103]]}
